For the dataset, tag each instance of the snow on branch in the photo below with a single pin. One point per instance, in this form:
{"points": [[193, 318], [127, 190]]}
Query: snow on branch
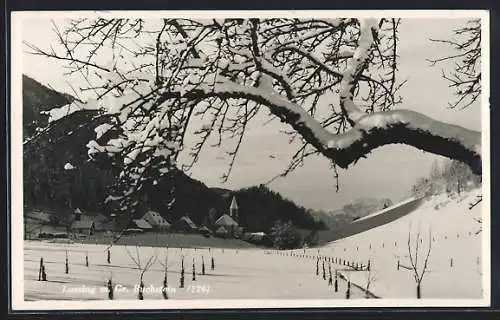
{"points": [[369, 132], [66, 110], [332, 81], [355, 68]]}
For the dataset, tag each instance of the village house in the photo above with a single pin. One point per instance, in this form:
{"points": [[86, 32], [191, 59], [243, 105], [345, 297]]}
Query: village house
{"points": [[87, 224], [34, 223], [156, 220], [221, 232], [141, 224], [228, 224], [185, 224], [84, 227]]}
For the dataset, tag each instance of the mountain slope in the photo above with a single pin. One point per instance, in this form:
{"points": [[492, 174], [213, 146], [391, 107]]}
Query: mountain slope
{"points": [[455, 260]]}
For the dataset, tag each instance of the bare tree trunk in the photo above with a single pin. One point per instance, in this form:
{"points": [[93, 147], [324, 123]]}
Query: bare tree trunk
{"points": [[141, 290], [419, 294], [110, 289]]}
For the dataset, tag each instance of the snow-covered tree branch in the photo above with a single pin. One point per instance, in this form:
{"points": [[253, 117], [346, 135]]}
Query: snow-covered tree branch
{"points": [[332, 81], [465, 77]]}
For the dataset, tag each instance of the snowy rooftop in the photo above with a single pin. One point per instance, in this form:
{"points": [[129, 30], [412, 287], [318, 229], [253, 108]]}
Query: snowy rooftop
{"points": [[226, 220]]}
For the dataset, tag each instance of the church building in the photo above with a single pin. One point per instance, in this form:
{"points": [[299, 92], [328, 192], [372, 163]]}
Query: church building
{"points": [[230, 222]]}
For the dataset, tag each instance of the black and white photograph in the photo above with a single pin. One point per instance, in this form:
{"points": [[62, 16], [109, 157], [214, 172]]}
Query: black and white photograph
{"points": [[250, 159]]}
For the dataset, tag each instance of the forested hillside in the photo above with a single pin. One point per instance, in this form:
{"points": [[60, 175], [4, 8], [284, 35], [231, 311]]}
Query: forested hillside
{"points": [[58, 174]]}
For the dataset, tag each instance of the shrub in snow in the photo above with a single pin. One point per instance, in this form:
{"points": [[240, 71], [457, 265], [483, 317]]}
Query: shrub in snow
{"points": [[108, 259], [86, 259], [212, 264]]}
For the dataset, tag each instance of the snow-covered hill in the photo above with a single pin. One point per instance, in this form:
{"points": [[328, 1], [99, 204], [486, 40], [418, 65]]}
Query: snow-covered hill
{"points": [[454, 266]]}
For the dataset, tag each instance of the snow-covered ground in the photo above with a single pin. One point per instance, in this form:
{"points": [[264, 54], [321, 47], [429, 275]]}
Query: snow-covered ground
{"points": [[238, 274], [454, 265]]}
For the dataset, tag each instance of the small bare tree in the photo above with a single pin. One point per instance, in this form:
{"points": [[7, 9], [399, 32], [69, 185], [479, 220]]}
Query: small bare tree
{"points": [[165, 274], [141, 267], [371, 276], [474, 203], [110, 287], [418, 272]]}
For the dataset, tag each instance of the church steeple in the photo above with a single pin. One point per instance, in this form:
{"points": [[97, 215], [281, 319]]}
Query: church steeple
{"points": [[233, 209]]}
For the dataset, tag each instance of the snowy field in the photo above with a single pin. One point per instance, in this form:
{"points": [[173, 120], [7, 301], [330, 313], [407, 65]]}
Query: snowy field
{"points": [[454, 264], [238, 273], [454, 268]]}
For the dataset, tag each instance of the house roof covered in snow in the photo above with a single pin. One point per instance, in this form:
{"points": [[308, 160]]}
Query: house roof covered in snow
{"points": [[155, 219], [52, 230], [188, 220], [96, 218], [38, 215], [226, 221], [142, 224], [204, 228], [259, 234], [82, 224]]}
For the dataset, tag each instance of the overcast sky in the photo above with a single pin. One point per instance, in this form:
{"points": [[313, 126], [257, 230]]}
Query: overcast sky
{"points": [[388, 172]]}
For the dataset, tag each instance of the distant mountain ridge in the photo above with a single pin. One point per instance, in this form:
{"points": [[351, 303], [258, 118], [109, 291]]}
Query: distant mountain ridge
{"points": [[350, 212], [48, 185]]}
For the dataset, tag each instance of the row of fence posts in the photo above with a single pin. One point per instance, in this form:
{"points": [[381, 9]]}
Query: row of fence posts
{"points": [[333, 278], [355, 265], [451, 263], [42, 272]]}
